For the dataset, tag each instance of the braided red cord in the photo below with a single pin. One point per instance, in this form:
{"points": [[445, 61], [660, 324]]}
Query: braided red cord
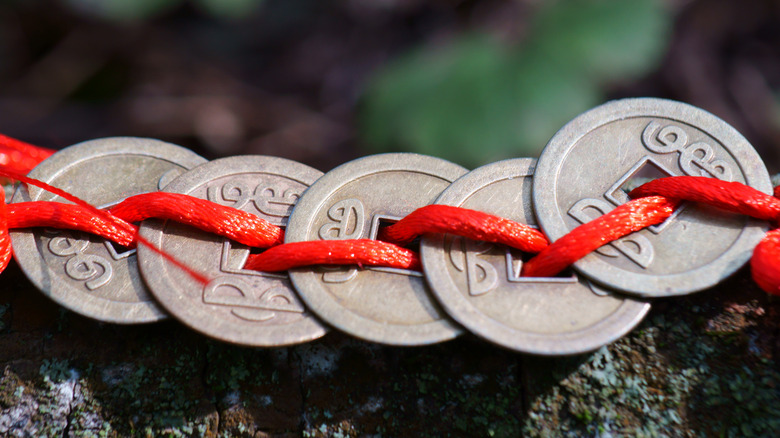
{"points": [[658, 200]]}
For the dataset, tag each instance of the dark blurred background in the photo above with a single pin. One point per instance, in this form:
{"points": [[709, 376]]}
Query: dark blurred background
{"points": [[325, 81]]}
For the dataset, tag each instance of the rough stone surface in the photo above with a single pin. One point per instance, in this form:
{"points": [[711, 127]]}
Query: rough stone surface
{"points": [[703, 365]]}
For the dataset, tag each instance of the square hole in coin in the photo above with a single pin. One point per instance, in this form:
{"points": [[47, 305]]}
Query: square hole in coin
{"points": [[232, 252], [644, 175], [379, 222], [118, 251], [645, 170]]}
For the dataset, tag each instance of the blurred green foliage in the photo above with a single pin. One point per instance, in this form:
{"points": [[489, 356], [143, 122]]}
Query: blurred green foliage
{"points": [[477, 100], [139, 10], [230, 9]]}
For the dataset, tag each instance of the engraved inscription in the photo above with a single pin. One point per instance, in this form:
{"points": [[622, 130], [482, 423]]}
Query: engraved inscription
{"points": [[247, 302], [240, 290], [348, 216], [665, 140], [267, 200], [635, 246], [338, 274], [67, 246], [348, 221], [167, 177], [235, 195], [696, 159], [481, 262], [597, 290], [275, 202], [94, 270], [480, 274]]}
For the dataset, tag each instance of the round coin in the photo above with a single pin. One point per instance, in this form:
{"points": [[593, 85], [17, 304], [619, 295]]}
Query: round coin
{"points": [[82, 272], [589, 166], [238, 305], [390, 306], [479, 283]]}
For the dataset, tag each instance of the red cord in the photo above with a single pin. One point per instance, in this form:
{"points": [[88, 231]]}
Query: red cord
{"points": [[5, 238], [579, 242], [334, 252], [208, 216], [20, 157], [69, 217], [765, 263], [738, 198], [84, 218], [472, 224], [107, 217], [731, 196]]}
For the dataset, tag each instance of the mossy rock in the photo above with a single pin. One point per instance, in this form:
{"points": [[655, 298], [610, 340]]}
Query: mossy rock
{"points": [[702, 365]]}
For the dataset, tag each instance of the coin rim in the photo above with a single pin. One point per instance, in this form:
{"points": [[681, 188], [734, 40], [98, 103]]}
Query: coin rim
{"points": [[165, 290], [318, 299], [644, 285], [624, 318], [34, 265]]}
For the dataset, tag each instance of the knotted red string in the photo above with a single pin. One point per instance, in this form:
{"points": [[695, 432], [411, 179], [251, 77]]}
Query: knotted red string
{"points": [[657, 202]]}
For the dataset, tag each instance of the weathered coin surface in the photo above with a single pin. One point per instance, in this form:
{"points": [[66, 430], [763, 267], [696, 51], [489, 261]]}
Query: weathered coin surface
{"points": [[589, 166], [238, 305], [391, 306], [82, 272], [479, 283]]}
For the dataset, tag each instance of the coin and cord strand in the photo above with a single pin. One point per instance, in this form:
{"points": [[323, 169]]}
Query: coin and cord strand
{"points": [[656, 202], [653, 204]]}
